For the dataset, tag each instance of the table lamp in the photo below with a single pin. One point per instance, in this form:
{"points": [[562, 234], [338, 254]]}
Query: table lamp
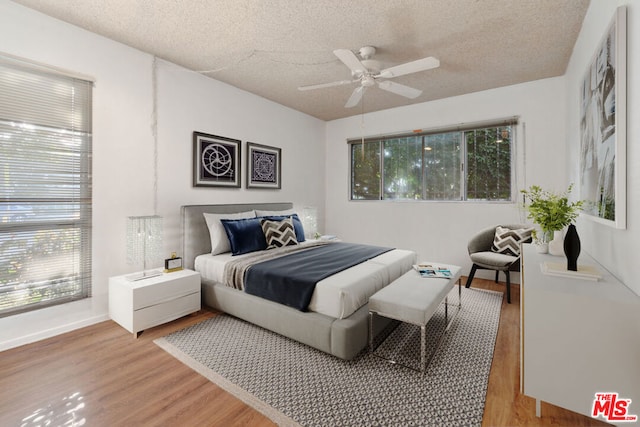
{"points": [[144, 244], [310, 221]]}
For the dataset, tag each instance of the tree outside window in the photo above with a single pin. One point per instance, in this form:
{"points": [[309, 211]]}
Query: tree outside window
{"points": [[471, 164]]}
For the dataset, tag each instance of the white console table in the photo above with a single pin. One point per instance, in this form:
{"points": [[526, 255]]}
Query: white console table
{"points": [[578, 337]]}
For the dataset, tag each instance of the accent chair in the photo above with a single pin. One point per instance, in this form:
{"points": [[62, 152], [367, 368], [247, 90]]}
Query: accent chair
{"points": [[485, 255]]}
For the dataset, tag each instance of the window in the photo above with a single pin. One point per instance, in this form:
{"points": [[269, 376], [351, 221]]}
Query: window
{"points": [[45, 194], [473, 163]]}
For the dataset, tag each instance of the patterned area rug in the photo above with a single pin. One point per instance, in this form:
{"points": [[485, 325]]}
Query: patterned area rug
{"points": [[294, 384]]}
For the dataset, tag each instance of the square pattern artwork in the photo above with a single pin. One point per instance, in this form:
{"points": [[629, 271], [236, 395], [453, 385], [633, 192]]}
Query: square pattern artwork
{"points": [[263, 166]]}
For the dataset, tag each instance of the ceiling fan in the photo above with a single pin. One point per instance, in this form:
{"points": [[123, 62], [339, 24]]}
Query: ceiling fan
{"points": [[367, 73]]}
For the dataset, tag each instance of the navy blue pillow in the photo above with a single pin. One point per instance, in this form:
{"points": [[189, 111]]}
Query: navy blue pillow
{"points": [[297, 224], [245, 235]]}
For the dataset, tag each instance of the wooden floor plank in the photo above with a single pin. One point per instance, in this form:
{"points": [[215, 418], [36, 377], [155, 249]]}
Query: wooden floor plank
{"points": [[103, 376]]}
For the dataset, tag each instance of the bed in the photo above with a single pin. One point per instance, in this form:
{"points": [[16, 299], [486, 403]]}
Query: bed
{"points": [[336, 320]]}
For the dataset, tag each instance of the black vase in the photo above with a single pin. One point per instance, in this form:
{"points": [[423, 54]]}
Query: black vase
{"points": [[572, 248]]}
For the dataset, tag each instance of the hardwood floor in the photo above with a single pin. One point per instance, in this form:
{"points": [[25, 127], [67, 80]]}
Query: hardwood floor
{"points": [[102, 376]]}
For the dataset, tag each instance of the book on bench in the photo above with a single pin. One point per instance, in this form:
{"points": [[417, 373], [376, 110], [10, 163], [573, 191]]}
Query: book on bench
{"points": [[430, 270]]}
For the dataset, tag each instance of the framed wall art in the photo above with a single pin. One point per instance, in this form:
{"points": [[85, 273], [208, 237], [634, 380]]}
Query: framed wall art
{"points": [[263, 166], [603, 130], [216, 161]]}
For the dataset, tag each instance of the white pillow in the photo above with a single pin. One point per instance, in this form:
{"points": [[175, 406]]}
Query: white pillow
{"points": [[275, 213], [219, 240]]}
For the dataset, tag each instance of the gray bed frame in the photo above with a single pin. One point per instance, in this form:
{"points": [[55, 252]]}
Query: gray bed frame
{"points": [[343, 338]]}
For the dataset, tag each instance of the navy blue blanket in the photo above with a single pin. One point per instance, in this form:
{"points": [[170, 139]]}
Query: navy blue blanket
{"points": [[291, 279]]}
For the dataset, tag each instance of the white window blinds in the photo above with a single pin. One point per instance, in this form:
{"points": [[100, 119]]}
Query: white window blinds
{"points": [[45, 194]]}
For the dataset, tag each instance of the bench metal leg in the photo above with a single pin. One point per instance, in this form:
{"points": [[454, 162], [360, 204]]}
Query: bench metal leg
{"points": [[423, 348], [371, 349]]}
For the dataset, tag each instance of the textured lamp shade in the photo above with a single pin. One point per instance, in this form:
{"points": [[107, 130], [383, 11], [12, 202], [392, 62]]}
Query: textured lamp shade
{"points": [[144, 244], [310, 221]]}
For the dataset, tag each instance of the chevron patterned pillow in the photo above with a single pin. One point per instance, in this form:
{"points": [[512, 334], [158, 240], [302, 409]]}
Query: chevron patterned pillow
{"points": [[279, 233], [507, 241]]}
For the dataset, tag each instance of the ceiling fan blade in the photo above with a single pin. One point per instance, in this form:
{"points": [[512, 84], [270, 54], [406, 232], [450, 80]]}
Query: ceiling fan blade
{"points": [[410, 67], [399, 89], [323, 85], [355, 97], [350, 60]]}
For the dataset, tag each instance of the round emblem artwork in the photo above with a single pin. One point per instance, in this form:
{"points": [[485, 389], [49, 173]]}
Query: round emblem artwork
{"points": [[216, 160], [264, 167]]}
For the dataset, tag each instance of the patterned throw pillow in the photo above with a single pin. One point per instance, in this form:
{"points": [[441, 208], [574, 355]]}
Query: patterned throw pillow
{"points": [[279, 233], [507, 241]]}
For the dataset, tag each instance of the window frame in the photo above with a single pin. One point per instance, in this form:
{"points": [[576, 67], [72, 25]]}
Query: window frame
{"points": [[463, 169], [56, 200]]}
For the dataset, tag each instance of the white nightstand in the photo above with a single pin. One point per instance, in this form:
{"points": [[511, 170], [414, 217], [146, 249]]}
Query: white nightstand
{"points": [[145, 303]]}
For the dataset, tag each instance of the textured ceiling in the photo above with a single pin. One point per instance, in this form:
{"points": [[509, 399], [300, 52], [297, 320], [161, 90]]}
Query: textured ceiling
{"points": [[271, 47]]}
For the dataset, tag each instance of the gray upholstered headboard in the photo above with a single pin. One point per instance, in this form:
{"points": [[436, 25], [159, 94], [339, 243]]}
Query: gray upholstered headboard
{"points": [[195, 234]]}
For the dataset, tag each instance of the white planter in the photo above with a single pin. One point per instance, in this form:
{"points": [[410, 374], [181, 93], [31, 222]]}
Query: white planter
{"points": [[542, 247], [556, 246]]}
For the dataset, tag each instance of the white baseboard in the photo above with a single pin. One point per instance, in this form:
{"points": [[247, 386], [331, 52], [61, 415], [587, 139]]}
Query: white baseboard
{"points": [[26, 328]]}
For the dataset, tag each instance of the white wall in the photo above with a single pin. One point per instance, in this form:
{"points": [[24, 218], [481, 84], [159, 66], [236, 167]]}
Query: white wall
{"points": [[439, 231], [616, 249], [188, 101], [124, 148]]}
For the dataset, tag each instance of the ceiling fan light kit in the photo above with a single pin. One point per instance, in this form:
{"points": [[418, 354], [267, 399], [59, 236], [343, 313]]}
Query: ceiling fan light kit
{"points": [[367, 52], [366, 72]]}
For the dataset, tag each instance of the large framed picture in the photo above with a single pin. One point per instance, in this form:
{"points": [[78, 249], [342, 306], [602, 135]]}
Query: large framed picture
{"points": [[603, 128], [216, 161], [263, 166]]}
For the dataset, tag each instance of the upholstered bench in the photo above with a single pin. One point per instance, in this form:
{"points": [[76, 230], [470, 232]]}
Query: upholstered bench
{"points": [[414, 299]]}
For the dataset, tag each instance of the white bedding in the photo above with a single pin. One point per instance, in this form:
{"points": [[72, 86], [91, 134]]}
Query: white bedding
{"points": [[339, 295]]}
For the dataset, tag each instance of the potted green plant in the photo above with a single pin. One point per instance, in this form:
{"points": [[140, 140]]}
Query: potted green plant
{"points": [[551, 211]]}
